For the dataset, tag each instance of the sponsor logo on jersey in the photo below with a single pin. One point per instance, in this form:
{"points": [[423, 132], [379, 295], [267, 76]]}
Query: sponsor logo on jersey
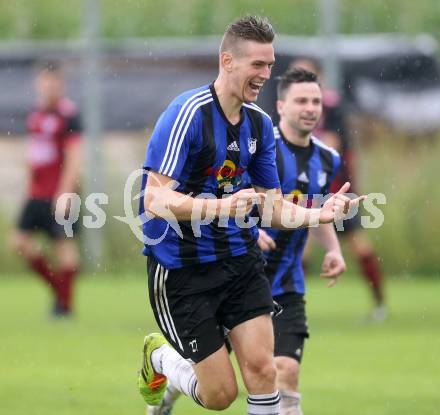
{"points": [[226, 175]]}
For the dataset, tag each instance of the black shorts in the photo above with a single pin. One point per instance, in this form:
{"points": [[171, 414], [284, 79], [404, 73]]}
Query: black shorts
{"points": [[350, 225], [38, 215], [196, 305], [290, 327]]}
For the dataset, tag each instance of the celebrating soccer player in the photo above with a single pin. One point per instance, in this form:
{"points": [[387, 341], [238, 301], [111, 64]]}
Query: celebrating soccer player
{"points": [[332, 131], [205, 272], [306, 167]]}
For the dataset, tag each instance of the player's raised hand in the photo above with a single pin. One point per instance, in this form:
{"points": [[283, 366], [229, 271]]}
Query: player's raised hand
{"points": [[338, 205], [265, 242], [332, 267]]}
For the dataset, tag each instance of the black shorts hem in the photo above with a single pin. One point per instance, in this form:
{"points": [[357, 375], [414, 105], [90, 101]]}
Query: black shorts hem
{"points": [[290, 327], [250, 316], [205, 355], [37, 215], [296, 342]]}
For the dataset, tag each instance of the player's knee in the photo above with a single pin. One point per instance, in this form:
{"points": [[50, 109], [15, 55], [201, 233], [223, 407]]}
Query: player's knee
{"points": [[287, 372], [68, 263], [268, 372], [67, 254], [288, 367], [262, 368], [221, 398]]}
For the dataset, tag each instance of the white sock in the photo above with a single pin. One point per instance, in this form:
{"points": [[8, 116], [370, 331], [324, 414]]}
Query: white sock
{"points": [[290, 403], [264, 404], [171, 395], [179, 372]]}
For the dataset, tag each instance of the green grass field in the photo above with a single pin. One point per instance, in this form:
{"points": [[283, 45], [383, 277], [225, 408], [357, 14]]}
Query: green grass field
{"points": [[87, 365]]}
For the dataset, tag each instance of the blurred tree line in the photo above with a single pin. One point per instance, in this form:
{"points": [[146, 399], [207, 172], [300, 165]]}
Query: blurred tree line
{"points": [[49, 19]]}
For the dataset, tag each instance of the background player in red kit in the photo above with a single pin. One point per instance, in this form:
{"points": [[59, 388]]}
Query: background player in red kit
{"points": [[54, 161], [333, 132]]}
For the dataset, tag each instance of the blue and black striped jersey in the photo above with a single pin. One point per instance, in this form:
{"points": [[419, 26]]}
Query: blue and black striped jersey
{"points": [[194, 143], [303, 172]]}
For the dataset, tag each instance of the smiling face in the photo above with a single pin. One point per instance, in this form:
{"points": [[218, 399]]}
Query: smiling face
{"points": [[301, 107], [247, 67]]}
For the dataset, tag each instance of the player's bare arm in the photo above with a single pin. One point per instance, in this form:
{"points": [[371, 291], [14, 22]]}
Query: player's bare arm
{"points": [[162, 201], [285, 215], [333, 264]]}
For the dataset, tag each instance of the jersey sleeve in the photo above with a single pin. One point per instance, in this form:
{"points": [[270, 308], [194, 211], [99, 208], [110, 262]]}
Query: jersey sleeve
{"points": [[263, 170], [170, 143], [73, 128]]}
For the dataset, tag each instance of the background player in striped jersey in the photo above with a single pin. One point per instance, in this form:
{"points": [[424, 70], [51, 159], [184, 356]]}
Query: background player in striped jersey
{"points": [[332, 130], [306, 167], [54, 168], [205, 272]]}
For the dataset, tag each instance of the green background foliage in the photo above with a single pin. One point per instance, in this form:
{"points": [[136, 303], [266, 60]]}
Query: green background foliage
{"points": [[45, 19]]}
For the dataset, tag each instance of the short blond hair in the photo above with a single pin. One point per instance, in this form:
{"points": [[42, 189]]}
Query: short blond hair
{"points": [[255, 28]]}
